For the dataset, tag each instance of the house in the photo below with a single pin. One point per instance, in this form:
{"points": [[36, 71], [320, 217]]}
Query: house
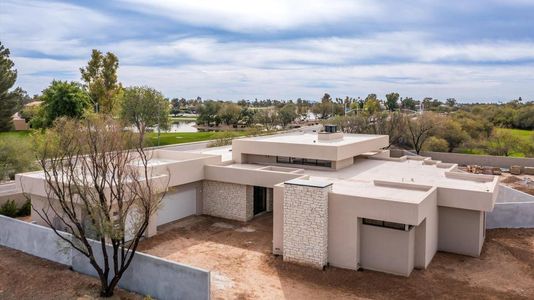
{"points": [[19, 123], [336, 199]]}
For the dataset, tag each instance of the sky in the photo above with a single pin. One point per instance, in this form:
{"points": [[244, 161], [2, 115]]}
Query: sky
{"points": [[475, 50]]}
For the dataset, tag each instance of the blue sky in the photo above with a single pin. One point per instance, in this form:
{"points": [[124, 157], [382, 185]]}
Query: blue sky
{"points": [[235, 49]]}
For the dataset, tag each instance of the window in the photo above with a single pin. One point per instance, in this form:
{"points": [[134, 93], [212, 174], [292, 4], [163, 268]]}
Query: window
{"points": [[303, 161], [283, 160], [392, 225]]}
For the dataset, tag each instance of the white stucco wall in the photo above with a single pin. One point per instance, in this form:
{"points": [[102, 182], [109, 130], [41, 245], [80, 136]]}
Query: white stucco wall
{"points": [[387, 250], [177, 204]]}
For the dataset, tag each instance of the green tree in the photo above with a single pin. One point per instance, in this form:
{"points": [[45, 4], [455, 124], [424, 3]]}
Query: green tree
{"points": [[8, 100], [452, 132], [208, 113], [325, 108], [175, 106], [287, 114], [100, 78], [409, 103], [145, 107], [392, 101], [230, 113], [451, 102], [266, 117], [63, 98], [371, 104]]}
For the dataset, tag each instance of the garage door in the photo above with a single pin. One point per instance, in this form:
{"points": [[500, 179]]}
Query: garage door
{"points": [[176, 205]]}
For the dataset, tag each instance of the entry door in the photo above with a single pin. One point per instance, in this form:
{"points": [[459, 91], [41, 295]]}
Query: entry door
{"points": [[260, 199]]}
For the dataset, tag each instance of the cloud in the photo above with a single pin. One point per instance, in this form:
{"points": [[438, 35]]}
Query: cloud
{"points": [[332, 51], [50, 27], [259, 15], [284, 49]]}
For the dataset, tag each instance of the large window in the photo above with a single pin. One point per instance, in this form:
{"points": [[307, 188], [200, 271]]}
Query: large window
{"points": [[303, 161], [392, 225]]}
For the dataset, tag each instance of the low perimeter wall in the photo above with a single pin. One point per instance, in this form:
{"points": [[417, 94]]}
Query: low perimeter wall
{"points": [[8, 191], [147, 275], [481, 160], [513, 209]]}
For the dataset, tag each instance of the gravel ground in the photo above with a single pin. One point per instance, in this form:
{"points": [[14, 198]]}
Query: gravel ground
{"points": [[243, 268]]}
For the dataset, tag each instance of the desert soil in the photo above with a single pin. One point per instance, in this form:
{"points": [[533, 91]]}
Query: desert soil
{"points": [[24, 276], [242, 266]]}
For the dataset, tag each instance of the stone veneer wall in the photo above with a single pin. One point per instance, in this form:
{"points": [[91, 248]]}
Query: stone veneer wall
{"points": [[227, 200], [305, 234]]}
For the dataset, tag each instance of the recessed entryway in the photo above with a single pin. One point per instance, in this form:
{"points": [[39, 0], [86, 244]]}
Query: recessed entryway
{"points": [[260, 199]]}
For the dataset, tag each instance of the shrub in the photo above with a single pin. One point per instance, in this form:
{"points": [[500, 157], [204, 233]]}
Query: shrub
{"points": [[9, 209], [224, 139], [25, 209], [16, 156], [436, 144]]}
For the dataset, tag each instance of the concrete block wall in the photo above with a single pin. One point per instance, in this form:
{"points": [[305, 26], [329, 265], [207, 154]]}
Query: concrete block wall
{"points": [[150, 275], [227, 200], [513, 209], [305, 229], [147, 275], [35, 240]]}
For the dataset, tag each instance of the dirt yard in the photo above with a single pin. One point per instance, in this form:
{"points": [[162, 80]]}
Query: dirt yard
{"points": [[519, 182], [243, 268], [23, 276]]}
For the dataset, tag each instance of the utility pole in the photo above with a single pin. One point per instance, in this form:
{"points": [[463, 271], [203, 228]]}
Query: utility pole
{"points": [[159, 121]]}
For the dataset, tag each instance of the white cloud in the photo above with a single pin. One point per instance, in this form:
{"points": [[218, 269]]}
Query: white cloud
{"points": [[324, 51], [228, 66], [308, 67], [257, 15], [50, 27], [417, 80]]}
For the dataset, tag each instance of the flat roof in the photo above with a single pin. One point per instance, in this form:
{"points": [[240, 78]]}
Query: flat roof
{"points": [[409, 171], [225, 152], [312, 139], [369, 190]]}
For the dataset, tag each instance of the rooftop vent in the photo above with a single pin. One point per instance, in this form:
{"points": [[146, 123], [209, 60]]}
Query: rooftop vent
{"points": [[329, 133], [330, 128]]}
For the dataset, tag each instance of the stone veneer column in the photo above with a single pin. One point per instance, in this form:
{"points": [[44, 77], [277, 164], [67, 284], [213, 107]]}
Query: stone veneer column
{"points": [[305, 233]]}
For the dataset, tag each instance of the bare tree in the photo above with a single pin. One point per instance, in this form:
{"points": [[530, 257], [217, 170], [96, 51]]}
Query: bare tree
{"points": [[420, 128], [392, 124], [100, 186]]}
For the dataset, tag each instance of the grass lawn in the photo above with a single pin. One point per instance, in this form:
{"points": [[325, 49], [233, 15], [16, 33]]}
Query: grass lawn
{"points": [[22, 135], [170, 138], [183, 118], [523, 134], [166, 138]]}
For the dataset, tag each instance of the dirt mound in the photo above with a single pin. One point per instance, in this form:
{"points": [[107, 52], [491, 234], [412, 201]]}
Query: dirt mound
{"points": [[511, 179]]}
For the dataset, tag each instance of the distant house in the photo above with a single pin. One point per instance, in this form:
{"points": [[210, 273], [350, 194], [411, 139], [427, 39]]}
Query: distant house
{"points": [[19, 122]]}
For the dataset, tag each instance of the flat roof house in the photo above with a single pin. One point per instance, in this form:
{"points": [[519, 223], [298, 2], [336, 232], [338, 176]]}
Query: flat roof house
{"points": [[336, 199]]}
